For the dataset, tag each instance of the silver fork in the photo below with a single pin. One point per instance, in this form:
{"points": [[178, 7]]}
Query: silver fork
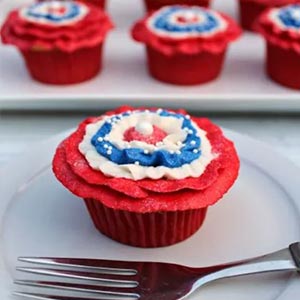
{"points": [[107, 279]]}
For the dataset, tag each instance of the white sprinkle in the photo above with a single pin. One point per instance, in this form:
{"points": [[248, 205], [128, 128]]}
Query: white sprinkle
{"points": [[178, 152], [193, 143], [188, 117], [158, 144], [105, 146], [137, 163], [147, 110], [110, 147], [159, 111], [186, 129], [190, 131], [144, 128], [105, 138], [146, 151], [172, 151], [109, 152], [179, 143], [100, 139], [195, 151], [109, 121]]}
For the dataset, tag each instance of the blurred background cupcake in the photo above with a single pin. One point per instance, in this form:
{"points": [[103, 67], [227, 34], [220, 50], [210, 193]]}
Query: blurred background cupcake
{"points": [[281, 29], [61, 41], [250, 10], [156, 4], [185, 45]]}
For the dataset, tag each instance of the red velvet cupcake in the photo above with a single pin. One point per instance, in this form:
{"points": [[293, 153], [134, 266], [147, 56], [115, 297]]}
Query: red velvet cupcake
{"points": [[281, 29], [250, 10], [61, 41], [186, 45], [147, 176], [156, 4]]}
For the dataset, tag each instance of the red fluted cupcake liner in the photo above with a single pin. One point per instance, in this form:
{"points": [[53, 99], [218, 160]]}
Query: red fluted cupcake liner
{"points": [[156, 4], [58, 67], [147, 230], [283, 66], [184, 69], [250, 10]]}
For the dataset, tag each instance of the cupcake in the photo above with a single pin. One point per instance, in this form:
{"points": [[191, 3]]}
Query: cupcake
{"points": [[98, 3], [147, 176], [185, 45], [156, 4], [281, 29], [251, 9], [61, 41]]}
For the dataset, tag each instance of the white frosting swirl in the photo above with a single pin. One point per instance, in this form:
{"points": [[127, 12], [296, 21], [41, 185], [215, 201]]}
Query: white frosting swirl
{"points": [[54, 13], [181, 22]]}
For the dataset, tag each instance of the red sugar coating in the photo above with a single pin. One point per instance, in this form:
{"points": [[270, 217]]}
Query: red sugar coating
{"points": [[282, 37], [71, 168], [132, 134]]}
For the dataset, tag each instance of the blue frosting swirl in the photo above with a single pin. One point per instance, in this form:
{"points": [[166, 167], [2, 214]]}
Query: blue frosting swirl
{"points": [[207, 20], [72, 10], [290, 16], [188, 152]]}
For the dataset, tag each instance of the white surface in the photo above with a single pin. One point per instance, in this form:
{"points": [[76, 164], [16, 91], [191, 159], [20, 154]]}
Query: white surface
{"points": [[260, 214], [243, 85]]}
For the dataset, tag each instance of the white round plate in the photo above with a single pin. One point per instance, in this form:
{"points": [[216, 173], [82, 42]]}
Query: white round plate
{"points": [[260, 214]]}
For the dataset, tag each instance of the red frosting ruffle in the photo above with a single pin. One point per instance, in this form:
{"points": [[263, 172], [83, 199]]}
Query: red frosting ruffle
{"points": [[72, 169], [26, 35], [284, 38], [217, 43]]}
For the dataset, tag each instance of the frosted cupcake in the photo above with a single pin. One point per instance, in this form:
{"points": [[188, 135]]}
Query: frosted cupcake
{"points": [[185, 45], [61, 41], [281, 29], [250, 10], [156, 4], [147, 176]]}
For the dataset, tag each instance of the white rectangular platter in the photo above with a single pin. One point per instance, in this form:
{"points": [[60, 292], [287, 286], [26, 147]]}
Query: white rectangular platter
{"points": [[243, 85]]}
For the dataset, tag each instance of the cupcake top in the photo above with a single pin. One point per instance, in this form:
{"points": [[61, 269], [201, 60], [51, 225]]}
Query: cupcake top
{"points": [[142, 159], [187, 29], [181, 22], [63, 25], [142, 144], [281, 26]]}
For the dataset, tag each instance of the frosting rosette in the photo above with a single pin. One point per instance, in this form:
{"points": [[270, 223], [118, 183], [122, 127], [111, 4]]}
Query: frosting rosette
{"points": [[186, 29], [146, 160], [281, 26], [56, 25]]}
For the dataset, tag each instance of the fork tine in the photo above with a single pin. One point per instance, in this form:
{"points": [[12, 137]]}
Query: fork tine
{"points": [[50, 297], [79, 275], [78, 288], [105, 266]]}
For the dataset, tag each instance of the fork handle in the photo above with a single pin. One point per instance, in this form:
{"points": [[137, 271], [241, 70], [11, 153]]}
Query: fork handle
{"points": [[284, 260]]}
